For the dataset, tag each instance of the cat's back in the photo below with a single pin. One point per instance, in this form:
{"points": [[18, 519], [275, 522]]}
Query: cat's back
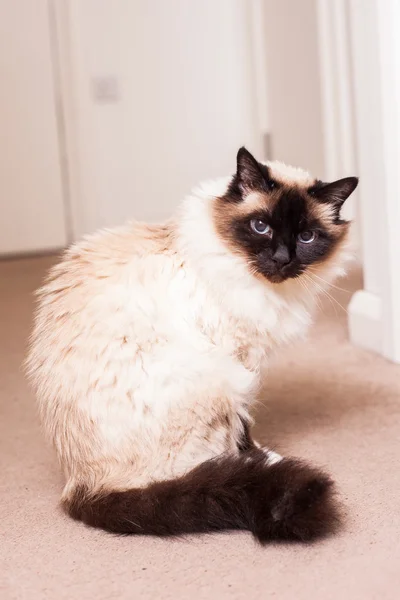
{"points": [[104, 288], [121, 257], [110, 253]]}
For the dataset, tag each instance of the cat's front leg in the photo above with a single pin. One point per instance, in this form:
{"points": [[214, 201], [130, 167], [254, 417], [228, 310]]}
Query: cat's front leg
{"points": [[246, 442]]}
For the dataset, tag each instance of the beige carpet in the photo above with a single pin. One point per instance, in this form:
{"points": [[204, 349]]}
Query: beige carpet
{"points": [[327, 402]]}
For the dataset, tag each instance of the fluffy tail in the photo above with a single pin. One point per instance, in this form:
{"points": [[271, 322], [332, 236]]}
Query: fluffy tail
{"points": [[284, 501]]}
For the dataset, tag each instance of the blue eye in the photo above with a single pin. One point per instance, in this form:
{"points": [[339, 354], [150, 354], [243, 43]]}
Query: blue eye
{"points": [[306, 237], [260, 227]]}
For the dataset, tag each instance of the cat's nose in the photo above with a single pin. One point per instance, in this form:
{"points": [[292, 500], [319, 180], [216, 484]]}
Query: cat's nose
{"points": [[281, 256]]}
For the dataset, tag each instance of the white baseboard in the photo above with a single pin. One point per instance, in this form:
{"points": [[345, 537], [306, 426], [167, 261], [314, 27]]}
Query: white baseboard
{"points": [[365, 321]]}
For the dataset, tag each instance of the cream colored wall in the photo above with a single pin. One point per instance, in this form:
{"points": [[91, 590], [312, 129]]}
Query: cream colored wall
{"points": [[187, 102], [32, 213], [294, 86]]}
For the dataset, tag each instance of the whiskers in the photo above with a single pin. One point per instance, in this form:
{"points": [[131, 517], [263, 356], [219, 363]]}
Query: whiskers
{"points": [[336, 287], [313, 279], [313, 297], [314, 286]]}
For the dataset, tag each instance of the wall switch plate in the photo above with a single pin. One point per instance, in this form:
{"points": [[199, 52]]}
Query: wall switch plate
{"points": [[105, 89]]}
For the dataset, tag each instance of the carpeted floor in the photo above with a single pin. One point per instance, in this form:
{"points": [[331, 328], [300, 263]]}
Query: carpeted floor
{"points": [[327, 401]]}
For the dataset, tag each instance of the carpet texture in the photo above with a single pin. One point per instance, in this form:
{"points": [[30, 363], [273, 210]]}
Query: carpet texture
{"points": [[326, 401]]}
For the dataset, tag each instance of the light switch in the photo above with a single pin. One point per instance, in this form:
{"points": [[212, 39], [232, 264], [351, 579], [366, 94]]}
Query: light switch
{"points": [[105, 89]]}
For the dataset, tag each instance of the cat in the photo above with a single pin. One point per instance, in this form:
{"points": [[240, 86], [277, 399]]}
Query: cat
{"points": [[149, 346]]}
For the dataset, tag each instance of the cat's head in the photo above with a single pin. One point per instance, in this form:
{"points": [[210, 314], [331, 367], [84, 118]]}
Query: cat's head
{"points": [[280, 219]]}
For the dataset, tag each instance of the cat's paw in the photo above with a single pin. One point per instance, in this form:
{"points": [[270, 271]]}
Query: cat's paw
{"points": [[272, 456], [295, 502]]}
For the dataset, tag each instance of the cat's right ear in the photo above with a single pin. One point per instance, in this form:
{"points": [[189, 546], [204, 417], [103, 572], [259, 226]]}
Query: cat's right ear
{"points": [[337, 192], [248, 173]]}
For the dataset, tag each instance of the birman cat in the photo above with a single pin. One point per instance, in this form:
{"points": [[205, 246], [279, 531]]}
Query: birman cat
{"points": [[150, 344]]}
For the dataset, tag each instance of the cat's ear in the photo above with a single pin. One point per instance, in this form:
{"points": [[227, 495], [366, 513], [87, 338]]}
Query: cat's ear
{"points": [[249, 175], [336, 192]]}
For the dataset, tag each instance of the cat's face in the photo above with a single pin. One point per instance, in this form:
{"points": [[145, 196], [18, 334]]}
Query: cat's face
{"points": [[280, 219]]}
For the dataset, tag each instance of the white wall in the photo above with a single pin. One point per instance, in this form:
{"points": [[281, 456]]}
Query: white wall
{"points": [[374, 316], [294, 86], [310, 102], [369, 128], [31, 204], [187, 102]]}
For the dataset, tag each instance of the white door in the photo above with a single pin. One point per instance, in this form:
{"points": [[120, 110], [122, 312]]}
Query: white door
{"points": [[31, 204], [293, 79], [162, 96]]}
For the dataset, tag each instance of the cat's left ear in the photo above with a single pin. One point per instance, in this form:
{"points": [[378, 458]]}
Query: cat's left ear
{"points": [[248, 173], [336, 192]]}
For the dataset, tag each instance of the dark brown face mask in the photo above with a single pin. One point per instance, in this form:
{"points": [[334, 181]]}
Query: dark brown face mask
{"points": [[294, 225]]}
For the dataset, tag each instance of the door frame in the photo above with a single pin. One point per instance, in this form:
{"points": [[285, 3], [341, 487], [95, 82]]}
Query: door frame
{"points": [[63, 48]]}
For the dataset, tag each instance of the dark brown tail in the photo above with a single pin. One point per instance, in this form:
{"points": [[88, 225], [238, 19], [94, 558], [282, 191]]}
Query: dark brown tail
{"points": [[285, 501]]}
